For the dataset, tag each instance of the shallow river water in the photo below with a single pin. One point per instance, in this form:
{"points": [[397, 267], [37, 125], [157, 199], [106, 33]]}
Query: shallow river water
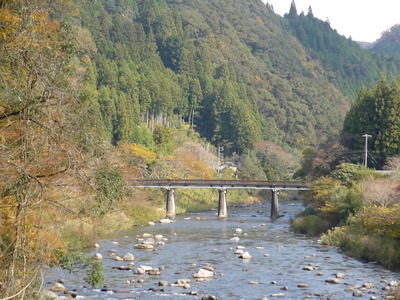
{"points": [[201, 240]]}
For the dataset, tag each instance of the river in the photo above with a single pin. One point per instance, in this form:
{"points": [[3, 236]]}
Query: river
{"points": [[276, 268]]}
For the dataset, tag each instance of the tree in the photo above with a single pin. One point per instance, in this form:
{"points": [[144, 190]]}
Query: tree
{"points": [[41, 135], [293, 10], [376, 112]]}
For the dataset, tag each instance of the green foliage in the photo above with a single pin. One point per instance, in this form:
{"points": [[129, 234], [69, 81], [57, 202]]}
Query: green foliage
{"points": [[389, 42], [94, 274], [164, 139], [169, 59], [142, 135], [250, 169], [364, 247], [76, 262], [377, 113], [348, 65], [347, 173], [311, 225], [110, 188], [320, 192]]}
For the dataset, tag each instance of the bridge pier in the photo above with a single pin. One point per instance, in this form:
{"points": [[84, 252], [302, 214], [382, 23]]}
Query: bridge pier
{"points": [[274, 204], [171, 211], [222, 207]]}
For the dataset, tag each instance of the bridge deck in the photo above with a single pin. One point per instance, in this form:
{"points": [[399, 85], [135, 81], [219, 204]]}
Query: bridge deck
{"points": [[223, 184]]}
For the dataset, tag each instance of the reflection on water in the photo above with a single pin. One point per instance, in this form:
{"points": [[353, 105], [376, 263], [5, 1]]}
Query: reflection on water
{"points": [[203, 239]]}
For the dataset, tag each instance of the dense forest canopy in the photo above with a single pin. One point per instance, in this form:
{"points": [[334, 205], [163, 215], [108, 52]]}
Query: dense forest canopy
{"points": [[234, 71]]}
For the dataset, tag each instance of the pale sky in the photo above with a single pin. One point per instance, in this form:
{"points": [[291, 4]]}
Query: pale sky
{"points": [[363, 20]]}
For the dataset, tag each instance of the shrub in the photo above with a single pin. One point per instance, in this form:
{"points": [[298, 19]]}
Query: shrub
{"points": [[312, 225], [110, 188], [347, 173], [367, 248]]}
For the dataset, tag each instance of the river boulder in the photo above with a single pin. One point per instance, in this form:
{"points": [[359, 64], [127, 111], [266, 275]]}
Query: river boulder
{"points": [[332, 280], [58, 288], [98, 256], [245, 255], [128, 257], [203, 273]]}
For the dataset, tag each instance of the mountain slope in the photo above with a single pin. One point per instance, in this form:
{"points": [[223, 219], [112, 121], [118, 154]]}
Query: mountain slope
{"points": [[389, 42], [231, 69]]}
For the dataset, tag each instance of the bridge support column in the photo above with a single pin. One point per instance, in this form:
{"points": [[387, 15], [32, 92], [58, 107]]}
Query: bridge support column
{"points": [[274, 204], [222, 208], [171, 212]]}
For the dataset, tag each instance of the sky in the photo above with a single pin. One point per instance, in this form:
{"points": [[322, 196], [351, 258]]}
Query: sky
{"points": [[363, 20]]}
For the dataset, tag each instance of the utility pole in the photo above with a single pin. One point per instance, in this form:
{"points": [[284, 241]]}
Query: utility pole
{"points": [[366, 136]]}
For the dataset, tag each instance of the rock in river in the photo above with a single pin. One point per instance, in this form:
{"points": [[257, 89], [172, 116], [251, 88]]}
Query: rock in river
{"points": [[98, 256], [203, 273], [58, 288], [128, 257], [332, 280], [245, 255]]}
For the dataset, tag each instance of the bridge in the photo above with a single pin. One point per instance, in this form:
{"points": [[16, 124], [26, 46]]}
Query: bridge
{"points": [[222, 185]]}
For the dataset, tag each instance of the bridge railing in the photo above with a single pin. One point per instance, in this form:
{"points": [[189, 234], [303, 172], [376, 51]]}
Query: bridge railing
{"points": [[231, 184]]}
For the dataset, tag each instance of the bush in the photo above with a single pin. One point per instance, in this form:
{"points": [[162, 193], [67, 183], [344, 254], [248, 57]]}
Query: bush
{"points": [[312, 225], [367, 248], [110, 188]]}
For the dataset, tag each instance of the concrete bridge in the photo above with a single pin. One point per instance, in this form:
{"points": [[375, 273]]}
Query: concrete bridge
{"points": [[222, 185]]}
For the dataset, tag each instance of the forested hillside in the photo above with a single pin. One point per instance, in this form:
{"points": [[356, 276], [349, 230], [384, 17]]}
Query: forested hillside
{"points": [[346, 64], [233, 70], [389, 42], [229, 69]]}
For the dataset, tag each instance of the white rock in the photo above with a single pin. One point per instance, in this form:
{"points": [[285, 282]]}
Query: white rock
{"points": [[278, 295], [147, 235], [339, 275], [239, 230], [245, 255], [96, 245], [159, 237], [368, 285], [58, 288], [203, 273], [394, 283], [115, 243], [149, 241], [332, 280], [128, 257], [139, 271], [98, 256], [118, 258], [160, 243], [238, 251], [308, 268], [146, 268], [235, 239], [166, 221], [151, 223], [144, 246]]}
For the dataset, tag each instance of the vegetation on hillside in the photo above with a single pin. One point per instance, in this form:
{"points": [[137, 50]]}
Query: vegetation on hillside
{"points": [[346, 64], [389, 42]]}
